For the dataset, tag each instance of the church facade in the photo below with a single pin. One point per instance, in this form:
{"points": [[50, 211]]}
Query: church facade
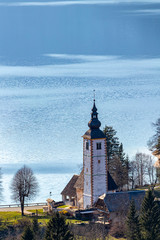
{"points": [[84, 190]]}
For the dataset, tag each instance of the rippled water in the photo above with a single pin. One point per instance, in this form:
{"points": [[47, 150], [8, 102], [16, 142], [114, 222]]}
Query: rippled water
{"points": [[52, 56], [50, 186]]}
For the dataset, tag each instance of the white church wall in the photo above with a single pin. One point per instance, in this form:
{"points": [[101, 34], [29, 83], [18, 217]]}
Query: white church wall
{"points": [[99, 169], [87, 173]]}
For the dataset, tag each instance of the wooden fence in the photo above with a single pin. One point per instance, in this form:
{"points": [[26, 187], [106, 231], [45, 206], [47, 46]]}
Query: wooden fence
{"points": [[26, 205]]}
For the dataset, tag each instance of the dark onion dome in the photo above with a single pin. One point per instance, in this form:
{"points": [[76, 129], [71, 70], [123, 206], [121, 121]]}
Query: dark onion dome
{"points": [[94, 125]]}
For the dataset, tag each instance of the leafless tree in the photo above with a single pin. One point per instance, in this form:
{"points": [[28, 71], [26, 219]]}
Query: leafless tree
{"points": [[140, 160], [24, 185], [150, 169], [154, 142], [132, 173], [142, 170]]}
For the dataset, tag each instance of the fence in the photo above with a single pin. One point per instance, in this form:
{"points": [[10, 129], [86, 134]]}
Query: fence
{"points": [[26, 205]]}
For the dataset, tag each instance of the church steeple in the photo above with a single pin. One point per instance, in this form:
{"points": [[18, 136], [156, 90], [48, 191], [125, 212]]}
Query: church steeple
{"points": [[94, 123], [94, 161]]}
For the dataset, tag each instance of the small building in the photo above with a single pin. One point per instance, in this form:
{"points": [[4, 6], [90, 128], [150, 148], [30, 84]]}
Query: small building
{"points": [[69, 192], [50, 204], [72, 194], [118, 203], [92, 214], [79, 190]]}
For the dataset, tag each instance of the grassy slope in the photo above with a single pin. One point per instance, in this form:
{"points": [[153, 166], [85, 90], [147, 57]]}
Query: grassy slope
{"points": [[10, 216]]}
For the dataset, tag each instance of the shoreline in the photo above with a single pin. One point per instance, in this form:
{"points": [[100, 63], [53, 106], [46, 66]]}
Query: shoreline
{"points": [[18, 209]]}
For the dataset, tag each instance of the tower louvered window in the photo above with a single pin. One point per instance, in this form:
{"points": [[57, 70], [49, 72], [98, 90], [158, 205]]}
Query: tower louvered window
{"points": [[98, 146]]}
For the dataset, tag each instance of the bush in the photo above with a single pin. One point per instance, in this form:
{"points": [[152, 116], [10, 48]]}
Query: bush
{"points": [[117, 229], [24, 222], [57, 228], [3, 232], [28, 234], [65, 213]]}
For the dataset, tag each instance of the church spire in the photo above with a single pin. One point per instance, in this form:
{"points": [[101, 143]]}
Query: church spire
{"points": [[94, 123]]}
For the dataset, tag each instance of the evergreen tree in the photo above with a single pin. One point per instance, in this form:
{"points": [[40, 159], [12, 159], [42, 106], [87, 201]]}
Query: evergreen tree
{"points": [[35, 225], [123, 177], [28, 234], [150, 218], [57, 229], [132, 223], [116, 159], [112, 146]]}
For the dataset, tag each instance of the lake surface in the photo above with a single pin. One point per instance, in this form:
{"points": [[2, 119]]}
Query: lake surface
{"points": [[52, 55]]}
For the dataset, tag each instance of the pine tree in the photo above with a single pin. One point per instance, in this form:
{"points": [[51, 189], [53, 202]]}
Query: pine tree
{"points": [[150, 218], [35, 225], [123, 177], [28, 234], [116, 158], [112, 146], [132, 223], [57, 229]]}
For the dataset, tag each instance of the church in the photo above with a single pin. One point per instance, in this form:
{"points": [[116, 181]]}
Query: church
{"points": [[94, 180]]}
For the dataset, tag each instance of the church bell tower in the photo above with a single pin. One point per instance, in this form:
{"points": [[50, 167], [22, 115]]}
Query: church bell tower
{"points": [[94, 161]]}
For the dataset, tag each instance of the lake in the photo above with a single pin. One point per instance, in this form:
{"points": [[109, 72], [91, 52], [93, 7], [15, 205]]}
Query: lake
{"points": [[52, 56]]}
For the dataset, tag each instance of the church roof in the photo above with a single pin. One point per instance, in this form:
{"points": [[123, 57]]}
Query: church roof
{"points": [[69, 189], [120, 201], [94, 124], [111, 183], [94, 134], [79, 183]]}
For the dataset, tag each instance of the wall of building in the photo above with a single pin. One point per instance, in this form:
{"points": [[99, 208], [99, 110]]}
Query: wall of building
{"points": [[99, 169], [79, 193], [95, 171], [87, 173]]}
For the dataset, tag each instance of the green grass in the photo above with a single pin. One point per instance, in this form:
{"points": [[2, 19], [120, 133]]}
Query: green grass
{"points": [[10, 216], [75, 221], [63, 206], [36, 210]]}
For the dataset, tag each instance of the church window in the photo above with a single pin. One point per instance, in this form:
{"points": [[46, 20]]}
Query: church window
{"points": [[98, 146], [86, 169], [99, 161], [87, 145]]}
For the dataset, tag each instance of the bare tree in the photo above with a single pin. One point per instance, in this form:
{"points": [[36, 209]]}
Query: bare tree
{"points": [[150, 169], [140, 160], [24, 185], [142, 170], [132, 173], [154, 142]]}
